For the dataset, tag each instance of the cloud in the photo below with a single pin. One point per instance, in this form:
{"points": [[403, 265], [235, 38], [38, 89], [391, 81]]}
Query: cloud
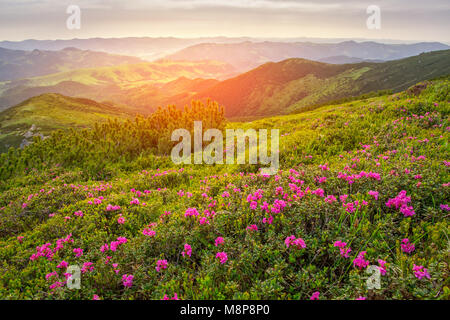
{"points": [[401, 19], [239, 4]]}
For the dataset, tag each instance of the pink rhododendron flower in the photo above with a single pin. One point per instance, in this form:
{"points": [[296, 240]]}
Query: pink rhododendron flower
{"points": [[87, 266], [191, 212], [121, 220], [344, 251], [420, 272], [374, 194], [148, 232], [134, 201], [401, 202], [315, 296], [219, 241], [127, 280], [161, 265], [360, 262], [268, 220], [222, 256], [78, 252], [187, 250], [175, 297], [78, 213], [382, 267], [52, 274], [406, 246], [296, 242]]}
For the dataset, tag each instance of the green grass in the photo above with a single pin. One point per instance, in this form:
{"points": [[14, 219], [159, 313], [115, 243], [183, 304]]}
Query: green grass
{"points": [[50, 112], [403, 138]]}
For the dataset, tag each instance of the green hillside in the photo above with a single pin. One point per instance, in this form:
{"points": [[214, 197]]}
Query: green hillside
{"points": [[18, 64], [43, 114], [120, 83], [293, 84], [360, 184]]}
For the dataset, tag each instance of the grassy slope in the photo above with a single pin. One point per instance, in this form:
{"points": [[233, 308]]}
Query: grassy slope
{"points": [[17, 64], [119, 83], [290, 85], [50, 112], [137, 74], [403, 138]]}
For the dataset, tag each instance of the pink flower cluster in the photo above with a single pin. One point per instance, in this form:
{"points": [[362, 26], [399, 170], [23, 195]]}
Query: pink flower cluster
{"points": [[78, 213], [78, 252], [222, 256], [161, 265], [191, 212], [382, 266], [351, 178], [420, 272], [219, 241], [360, 261], [344, 251], [175, 297], [87, 266], [148, 232], [127, 280], [113, 245], [110, 207], [374, 194], [315, 296], [187, 250], [46, 250], [121, 219], [407, 246], [96, 201], [401, 202], [296, 242]]}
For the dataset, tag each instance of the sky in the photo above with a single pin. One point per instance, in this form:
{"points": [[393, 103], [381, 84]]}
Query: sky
{"points": [[413, 20]]}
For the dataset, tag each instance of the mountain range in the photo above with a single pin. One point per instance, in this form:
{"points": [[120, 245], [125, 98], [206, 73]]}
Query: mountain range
{"points": [[290, 86], [140, 85], [270, 89], [18, 64], [293, 84], [247, 55]]}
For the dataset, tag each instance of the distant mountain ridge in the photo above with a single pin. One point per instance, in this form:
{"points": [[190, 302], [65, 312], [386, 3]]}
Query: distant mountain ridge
{"points": [[151, 49], [273, 88], [248, 55], [346, 59], [290, 85], [144, 47], [18, 64], [139, 85]]}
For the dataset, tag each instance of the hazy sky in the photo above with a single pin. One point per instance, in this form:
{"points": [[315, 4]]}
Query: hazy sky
{"points": [[400, 19]]}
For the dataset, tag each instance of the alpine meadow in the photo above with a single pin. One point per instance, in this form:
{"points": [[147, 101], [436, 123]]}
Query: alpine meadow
{"points": [[140, 166]]}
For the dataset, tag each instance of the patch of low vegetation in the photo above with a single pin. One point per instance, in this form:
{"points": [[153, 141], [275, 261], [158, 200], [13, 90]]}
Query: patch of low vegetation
{"points": [[361, 183]]}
